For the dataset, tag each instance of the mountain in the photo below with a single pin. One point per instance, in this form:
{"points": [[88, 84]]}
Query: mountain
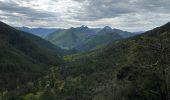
{"points": [[84, 38], [106, 29], [104, 37], [70, 38], [124, 34], [139, 32], [136, 68], [24, 57], [41, 32], [96, 30]]}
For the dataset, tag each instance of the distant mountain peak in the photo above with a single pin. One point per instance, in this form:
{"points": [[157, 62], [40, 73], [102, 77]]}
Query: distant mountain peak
{"points": [[107, 28], [83, 27]]}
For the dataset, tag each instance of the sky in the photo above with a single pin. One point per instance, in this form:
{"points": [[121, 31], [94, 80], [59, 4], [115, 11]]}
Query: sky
{"points": [[129, 15]]}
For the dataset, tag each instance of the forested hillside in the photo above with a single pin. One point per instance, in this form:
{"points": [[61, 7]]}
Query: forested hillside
{"points": [[132, 69], [136, 68], [23, 57]]}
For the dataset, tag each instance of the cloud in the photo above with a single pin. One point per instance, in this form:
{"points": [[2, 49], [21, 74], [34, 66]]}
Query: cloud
{"points": [[98, 9], [131, 15], [14, 8]]}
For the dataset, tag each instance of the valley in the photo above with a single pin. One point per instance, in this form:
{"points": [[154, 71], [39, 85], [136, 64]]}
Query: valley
{"points": [[108, 65]]}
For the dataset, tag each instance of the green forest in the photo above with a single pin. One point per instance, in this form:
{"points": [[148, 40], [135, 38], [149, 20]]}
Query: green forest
{"points": [[134, 68]]}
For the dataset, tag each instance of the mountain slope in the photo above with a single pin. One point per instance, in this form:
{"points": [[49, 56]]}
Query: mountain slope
{"points": [[41, 32], [124, 34], [133, 69], [70, 38], [83, 38], [108, 29], [47, 45], [104, 37], [23, 57], [136, 68]]}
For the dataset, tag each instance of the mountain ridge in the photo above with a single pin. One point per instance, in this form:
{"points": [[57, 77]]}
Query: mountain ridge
{"points": [[41, 32], [81, 37]]}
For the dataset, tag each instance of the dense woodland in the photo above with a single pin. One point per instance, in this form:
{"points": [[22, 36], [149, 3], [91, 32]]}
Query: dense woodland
{"points": [[135, 68]]}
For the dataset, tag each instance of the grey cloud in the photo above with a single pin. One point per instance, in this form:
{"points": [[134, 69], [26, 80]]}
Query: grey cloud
{"points": [[11, 8], [98, 9]]}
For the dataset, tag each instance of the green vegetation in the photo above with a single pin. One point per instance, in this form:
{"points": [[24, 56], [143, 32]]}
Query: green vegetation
{"points": [[23, 58], [136, 68], [75, 36], [83, 38]]}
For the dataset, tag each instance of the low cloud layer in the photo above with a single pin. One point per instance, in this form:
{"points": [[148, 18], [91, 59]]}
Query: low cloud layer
{"points": [[130, 15]]}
